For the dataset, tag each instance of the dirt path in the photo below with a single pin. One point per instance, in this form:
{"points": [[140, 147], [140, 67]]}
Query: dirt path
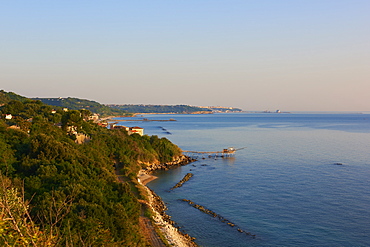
{"points": [[149, 232], [146, 225]]}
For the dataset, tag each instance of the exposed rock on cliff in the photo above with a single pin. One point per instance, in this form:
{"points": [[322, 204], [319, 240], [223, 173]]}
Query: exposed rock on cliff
{"points": [[180, 161]]}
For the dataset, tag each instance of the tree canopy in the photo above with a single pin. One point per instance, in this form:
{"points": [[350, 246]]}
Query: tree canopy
{"points": [[70, 191], [80, 104]]}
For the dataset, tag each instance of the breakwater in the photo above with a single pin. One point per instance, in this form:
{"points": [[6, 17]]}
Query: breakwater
{"points": [[288, 195], [165, 131], [215, 215], [182, 181], [141, 120]]}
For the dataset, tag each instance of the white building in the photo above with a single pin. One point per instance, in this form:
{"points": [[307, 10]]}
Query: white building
{"points": [[136, 130]]}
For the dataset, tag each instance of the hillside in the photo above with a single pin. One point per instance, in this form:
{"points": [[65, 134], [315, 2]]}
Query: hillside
{"points": [[55, 192], [184, 109], [6, 97], [80, 104]]}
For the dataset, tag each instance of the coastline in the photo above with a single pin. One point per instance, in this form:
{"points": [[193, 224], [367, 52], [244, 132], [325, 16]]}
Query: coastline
{"points": [[144, 178], [160, 219]]}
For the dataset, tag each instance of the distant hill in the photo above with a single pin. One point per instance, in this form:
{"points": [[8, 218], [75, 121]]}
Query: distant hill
{"points": [[6, 97], [160, 108], [222, 109], [79, 104], [179, 109]]}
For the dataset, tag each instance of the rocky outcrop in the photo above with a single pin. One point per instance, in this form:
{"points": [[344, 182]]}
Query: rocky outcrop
{"points": [[179, 161]]}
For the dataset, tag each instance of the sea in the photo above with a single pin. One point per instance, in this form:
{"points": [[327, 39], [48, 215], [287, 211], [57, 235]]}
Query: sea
{"points": [[298, 179]]}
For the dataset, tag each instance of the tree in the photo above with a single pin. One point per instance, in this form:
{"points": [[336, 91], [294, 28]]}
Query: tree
{"points": [[6, 158], [16, 225]]}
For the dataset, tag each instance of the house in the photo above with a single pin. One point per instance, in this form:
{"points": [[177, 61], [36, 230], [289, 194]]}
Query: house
{"points": [[115, 126], [8, 116], [103, 124], [136, 130], [130, 130], [94, 117]]}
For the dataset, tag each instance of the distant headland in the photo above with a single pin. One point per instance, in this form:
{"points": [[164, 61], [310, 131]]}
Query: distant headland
{"points": [[175, 109], [130, 109]]}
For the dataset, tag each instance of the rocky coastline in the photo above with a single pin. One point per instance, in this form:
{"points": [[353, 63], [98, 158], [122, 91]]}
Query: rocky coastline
{"points": [[163, 221], [180, 161]]}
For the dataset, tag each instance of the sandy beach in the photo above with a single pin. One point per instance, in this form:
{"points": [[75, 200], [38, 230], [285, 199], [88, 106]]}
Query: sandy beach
{"points": [[144, 178]]}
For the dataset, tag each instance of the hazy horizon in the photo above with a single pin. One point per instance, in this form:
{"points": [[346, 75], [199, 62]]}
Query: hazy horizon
{"points": [[255, 55]]}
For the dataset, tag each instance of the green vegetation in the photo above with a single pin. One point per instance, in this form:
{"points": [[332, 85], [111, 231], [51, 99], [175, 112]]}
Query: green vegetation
{"points": [[59, 193], [184, 109], [16, 225], [80, 104], [5, 97]]}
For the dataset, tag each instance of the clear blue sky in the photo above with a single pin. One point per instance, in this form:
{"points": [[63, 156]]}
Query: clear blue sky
{"points": [[292, 55]]}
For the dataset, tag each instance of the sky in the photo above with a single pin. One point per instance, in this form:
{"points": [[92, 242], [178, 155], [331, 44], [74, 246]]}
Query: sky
{"points": [[292, 55]]}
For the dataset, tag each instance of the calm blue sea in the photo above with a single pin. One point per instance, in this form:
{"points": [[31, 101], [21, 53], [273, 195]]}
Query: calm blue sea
{"points": [[285, 187]]}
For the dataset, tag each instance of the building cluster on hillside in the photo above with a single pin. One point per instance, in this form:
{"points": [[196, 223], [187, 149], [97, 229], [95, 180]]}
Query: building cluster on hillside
{"points": [[73, 130], [221, 109], [217, 107], [95, 117]]}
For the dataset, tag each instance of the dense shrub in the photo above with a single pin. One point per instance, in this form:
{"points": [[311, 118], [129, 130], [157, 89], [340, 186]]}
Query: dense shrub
{"points": [[72, 189]]}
